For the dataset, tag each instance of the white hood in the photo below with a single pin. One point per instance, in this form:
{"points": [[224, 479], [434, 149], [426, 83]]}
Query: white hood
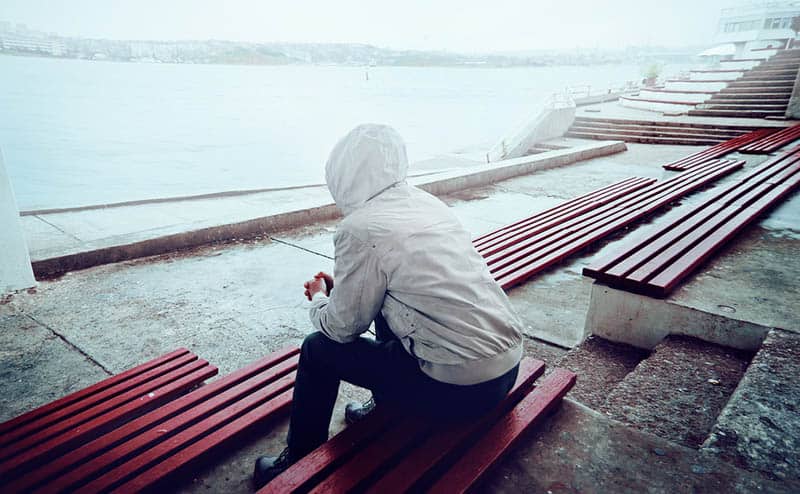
{"points": [[365, 162]]}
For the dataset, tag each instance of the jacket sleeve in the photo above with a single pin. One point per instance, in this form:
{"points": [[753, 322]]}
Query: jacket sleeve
{"points": [[358, 294]]}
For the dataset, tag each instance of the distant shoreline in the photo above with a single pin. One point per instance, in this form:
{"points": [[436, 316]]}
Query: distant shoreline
{"points": [[453, 65]]}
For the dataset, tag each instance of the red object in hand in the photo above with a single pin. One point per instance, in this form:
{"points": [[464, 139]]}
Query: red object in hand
{"points": [[322, 282]]}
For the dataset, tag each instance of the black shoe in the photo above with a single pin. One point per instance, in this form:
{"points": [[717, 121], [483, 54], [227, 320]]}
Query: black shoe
{"points": [[354, 411], [269, 467]]}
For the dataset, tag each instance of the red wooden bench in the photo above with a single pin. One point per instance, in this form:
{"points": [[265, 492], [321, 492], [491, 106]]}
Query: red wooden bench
{"points": [[523, 249], [387, 453], [719, 150], [656, 265], [773, 142], [136, 452]]}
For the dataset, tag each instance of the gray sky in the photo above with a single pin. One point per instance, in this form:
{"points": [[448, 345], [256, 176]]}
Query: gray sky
{"points": [[456, 25]]}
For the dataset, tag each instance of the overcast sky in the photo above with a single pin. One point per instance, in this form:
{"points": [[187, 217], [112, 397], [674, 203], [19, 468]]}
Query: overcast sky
{"points": [[456, 25]]}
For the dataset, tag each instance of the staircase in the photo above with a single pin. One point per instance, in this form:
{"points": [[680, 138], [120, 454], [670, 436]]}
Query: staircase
{"points": [[762, 91], [654, 132], [716, 400]]}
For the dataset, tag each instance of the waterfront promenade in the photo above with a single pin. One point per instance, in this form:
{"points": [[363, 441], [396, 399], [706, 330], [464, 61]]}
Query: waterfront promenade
{"points": [[232, 301]]}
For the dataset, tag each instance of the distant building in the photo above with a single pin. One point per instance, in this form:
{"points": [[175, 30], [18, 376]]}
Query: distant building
{"points": [[757, 25]]}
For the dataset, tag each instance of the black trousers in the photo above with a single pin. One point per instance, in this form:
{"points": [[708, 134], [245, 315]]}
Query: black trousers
{"points": [[384, 367]]}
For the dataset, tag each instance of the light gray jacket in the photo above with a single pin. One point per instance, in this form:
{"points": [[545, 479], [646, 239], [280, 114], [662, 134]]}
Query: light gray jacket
{"points": [[401, 252]]}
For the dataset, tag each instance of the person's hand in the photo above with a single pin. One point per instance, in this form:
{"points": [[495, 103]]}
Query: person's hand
{"points": [[328, 281], [322, 282]]}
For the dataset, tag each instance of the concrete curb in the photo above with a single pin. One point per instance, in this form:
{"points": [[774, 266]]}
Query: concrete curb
{"points": [[643, 321], [485, 175]]}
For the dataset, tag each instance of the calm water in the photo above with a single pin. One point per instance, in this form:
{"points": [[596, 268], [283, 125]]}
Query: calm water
{"points": [[76, 132]]}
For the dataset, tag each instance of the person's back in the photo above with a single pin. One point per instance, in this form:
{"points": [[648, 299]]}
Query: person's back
{"points": [[440, 297], [448, 343]]}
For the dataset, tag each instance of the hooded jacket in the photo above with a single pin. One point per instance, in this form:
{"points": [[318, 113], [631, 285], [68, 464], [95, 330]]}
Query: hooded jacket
{"points": [[401, 252]]}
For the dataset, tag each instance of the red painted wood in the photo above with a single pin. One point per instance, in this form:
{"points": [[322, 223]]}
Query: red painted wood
{"points": [[554, 211], [658, 242], [506, 257], [656, 264], [774, 141], [491, 447], [173, 462], [431, 454], [51, 407], [682, 244], [35, 420], [317, 464], [277, 376], [539, 259], [77, 459], [719, 150], [160, 460], [600, 268], [81, 428], [667, 280], [506, 242], [375, 456]]}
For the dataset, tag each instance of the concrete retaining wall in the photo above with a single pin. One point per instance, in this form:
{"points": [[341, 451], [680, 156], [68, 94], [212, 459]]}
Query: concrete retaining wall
{"points": [[15, 262], [643, 321], [440, 185]]}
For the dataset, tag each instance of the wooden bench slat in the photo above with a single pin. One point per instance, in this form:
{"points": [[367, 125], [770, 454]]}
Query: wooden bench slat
{"points": [[161, 460], [667, 280], [640, 264], [78, 458], [491, 447], [625, 257], [348, 445], [682, 244], [379, 451], [577, 201], [719, 150], [191, 408], [433, 452], [315, 465], [19, 438], [679, 185], [773, 141], [541, 223], [540, 259], [60, 403], [85, 426]]}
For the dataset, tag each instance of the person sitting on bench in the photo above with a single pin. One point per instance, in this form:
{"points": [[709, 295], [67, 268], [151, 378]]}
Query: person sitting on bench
{"points": [[448, 343]]}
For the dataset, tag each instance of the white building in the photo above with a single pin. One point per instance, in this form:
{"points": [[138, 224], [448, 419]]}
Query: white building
{"points": [[757, 26]]}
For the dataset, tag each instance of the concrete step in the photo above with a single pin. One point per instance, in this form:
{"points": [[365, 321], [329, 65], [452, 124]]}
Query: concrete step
{"points": [[759, 429], [602, 364], [778, 66], [761, 84], [678, 392], [642, 132], [748, 101], [662, 123], [741, 106], [757, 90], [643, 139], [735, 113], [780, 77], [720, 133]]}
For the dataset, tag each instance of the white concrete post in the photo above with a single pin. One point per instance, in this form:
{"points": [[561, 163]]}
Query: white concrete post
{"points": [[15, 261]]}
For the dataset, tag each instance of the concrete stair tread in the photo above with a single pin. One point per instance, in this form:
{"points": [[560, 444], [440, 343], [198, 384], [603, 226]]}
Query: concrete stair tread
{"points": [[759, 429], [623, 121], [644, 139], [652, 133], [602, 364], [722, 134], [679, 390], [734, 113]]}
